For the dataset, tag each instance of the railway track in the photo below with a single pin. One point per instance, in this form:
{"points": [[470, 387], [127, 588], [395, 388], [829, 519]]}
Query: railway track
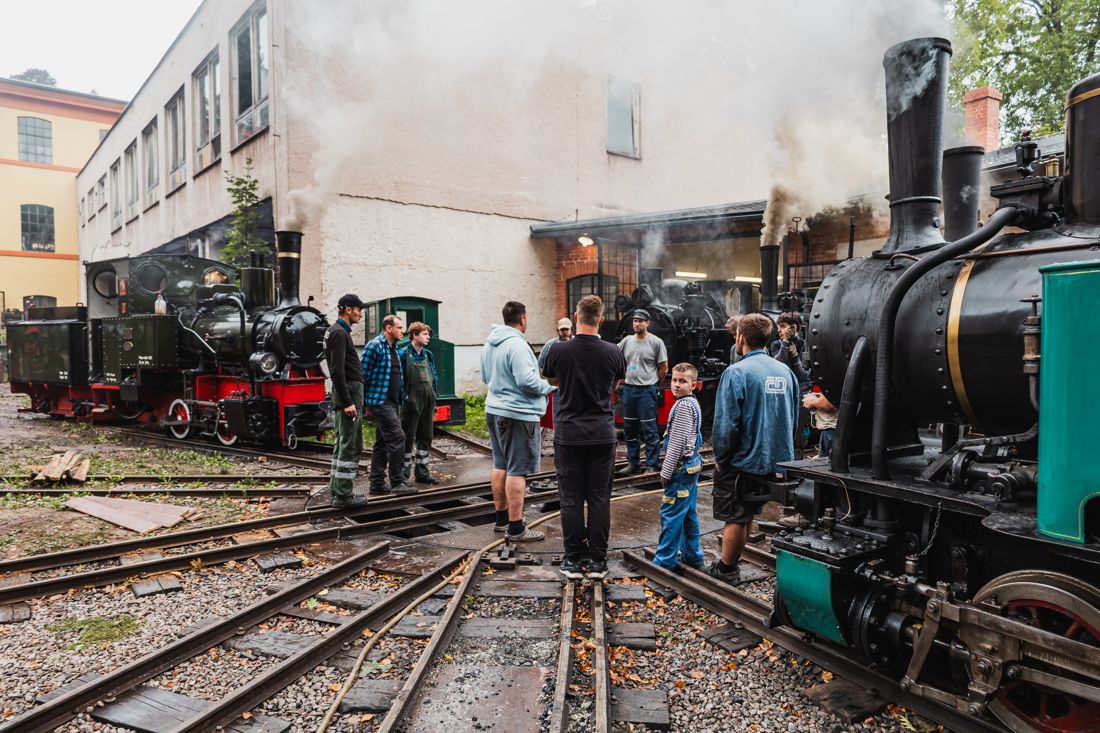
{"points": [[214, 716], [465, 440], [737, 606]]}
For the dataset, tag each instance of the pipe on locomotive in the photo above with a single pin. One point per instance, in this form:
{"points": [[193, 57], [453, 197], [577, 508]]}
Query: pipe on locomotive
{"points": [[769, 276], [288, 250], [962, 180]]}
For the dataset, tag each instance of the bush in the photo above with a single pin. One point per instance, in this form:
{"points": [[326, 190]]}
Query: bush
{"points": [[475, 415]]}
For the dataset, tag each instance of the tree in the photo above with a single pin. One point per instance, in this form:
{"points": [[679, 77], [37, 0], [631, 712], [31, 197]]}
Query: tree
{"points": [[37, 76], [241, 238], [1032, 50]]}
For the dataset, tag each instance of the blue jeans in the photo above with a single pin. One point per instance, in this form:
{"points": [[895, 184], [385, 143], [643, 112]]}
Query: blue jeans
{"points": [[640, 419], [825, 443], [680, 523]]}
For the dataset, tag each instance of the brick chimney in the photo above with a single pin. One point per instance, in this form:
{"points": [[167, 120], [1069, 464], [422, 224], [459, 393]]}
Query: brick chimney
{"points": [[983, 117]]}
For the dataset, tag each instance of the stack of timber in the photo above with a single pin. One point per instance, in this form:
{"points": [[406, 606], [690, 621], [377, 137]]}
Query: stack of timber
{"points": [[68, 466]]}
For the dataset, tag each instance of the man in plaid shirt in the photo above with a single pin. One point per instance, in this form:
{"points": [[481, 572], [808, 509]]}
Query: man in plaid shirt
{"points": [[383, 389]]}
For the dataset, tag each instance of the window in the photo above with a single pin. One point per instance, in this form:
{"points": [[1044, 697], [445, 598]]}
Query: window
{"points": [[251, 65], [82, 211], [37, 221], [35, 140], [130, 174], [623, 109], [91, 203], [208, 112], [578, 287], [150, 155], [101, 193], [116, 195], [174, 124]]}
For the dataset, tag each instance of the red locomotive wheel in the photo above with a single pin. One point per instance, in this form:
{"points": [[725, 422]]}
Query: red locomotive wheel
{"points": [[225, 436], [179, 412], [1060, 605]]}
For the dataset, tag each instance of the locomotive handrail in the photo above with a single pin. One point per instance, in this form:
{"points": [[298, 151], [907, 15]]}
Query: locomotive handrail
{"points": [[885, 338]]}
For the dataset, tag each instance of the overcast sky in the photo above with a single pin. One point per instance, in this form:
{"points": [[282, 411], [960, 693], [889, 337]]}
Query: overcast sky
{"points": [[110, 46]]}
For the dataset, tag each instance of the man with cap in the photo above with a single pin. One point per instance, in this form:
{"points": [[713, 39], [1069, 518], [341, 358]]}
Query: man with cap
{"points": [[565, 332], [347, 396], [646, 366]]}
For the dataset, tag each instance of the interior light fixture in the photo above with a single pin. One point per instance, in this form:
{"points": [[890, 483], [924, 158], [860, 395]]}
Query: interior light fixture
{"points": [[585, 240], [699, 275], [746, 279]]}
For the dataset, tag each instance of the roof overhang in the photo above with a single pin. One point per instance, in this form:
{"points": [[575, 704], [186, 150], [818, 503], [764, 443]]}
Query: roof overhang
{"points": [[728, 221]]}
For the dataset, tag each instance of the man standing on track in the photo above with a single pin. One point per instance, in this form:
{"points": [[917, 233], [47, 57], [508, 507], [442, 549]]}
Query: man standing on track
{"points": [[646, 366], [586, 371], [516, 401], [418, 407], [347, 395], [383, 388], [755, 412]]}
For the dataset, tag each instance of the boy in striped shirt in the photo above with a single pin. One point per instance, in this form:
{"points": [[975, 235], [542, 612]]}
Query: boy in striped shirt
{"points": [[680, 475]]}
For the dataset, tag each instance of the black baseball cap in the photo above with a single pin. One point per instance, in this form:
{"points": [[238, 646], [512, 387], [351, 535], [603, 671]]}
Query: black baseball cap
{"points": [[349, 301], [641, 315]]}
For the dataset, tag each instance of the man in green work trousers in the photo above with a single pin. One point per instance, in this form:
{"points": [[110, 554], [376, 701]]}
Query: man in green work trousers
{"points": [[418, 406], [347, 395]]}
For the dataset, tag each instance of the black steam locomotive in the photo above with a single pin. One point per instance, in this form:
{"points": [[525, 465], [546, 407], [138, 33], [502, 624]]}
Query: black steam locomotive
{"points": [[967, 565], [172, 339]]}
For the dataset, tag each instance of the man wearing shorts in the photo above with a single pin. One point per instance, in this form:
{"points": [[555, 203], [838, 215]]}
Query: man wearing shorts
{"points": [[516, 401], [755, 412]]}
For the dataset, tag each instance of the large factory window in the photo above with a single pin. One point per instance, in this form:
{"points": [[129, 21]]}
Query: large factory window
{"points": [[116, 195], [208, 115], [582, 285], [174, 140], [37, 224], [149, 152], [623, 110], [35, 140], [130, 173], [251, 67]]}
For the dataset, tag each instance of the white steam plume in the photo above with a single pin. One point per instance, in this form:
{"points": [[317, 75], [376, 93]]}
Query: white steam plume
{"points": [[793, 89]]}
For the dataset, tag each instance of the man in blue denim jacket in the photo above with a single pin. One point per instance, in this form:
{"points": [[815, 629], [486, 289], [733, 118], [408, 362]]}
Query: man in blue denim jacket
{"points": [[755, 412]]}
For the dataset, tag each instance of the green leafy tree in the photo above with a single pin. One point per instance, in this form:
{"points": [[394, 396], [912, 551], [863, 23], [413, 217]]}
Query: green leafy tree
{"points": [[241, 238], [37, 76], [1031, 50]]}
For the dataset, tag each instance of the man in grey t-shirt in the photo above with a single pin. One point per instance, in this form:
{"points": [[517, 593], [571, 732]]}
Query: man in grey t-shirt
{"points": [[646, 366]]}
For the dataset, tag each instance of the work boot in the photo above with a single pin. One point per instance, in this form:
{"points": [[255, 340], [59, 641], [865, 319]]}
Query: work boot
{"points": [[628, 470], [402, 489], [427, 480], [728, 576], [348, 502]]}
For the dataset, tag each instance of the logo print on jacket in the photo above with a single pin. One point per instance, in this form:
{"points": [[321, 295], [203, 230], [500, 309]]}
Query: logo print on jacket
{"points": [[775, 385]]}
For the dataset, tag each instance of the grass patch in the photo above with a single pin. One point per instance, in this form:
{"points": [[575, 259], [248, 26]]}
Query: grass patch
{"points": [[475, 416], [97, 630], [163, 462]]}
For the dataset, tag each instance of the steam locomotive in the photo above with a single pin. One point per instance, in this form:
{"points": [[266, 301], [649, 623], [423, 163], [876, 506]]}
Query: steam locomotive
{"points": [[967, 566], [172, 339]]}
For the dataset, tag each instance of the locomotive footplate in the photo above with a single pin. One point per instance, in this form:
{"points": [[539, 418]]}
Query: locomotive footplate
{"points": [[840, 549]]}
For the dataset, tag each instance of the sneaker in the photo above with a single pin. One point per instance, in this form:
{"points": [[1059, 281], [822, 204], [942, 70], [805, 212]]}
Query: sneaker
{"points": [[597, 569], [500, 527], [572, 569], [628, 470], [348, 502], [379, 490], [402, 489], [527, 535], [731, 577], [427, 480]]}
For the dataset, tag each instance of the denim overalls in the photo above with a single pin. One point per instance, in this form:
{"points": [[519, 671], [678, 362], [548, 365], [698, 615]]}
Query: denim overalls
{"points": [[679, 519]]}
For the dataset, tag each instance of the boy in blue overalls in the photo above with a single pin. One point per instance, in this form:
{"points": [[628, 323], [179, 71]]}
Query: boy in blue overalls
{"points": [[680, 475]]}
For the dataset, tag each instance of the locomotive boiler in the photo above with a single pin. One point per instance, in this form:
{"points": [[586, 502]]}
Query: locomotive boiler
{"points": [[966, 564], [173, 339]]}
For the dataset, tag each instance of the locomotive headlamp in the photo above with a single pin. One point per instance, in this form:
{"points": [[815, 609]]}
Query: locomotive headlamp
{"points": [[264, 361]]}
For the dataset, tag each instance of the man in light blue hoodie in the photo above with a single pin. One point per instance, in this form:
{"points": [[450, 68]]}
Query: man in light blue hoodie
{"points": [[516, 401]]}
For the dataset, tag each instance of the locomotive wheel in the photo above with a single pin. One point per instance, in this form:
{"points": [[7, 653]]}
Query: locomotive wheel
{"points": [[179, 411], [1062, 605], [221, 429]]}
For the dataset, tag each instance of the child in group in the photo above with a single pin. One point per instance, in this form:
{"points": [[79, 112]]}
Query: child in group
{"points": [[824, 419], [680, 475]]}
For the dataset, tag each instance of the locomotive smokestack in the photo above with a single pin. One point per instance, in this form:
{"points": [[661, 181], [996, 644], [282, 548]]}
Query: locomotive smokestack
{"points": [[1083, 152], [916, 95], [288, 250], [769, 276], [962, 180]]}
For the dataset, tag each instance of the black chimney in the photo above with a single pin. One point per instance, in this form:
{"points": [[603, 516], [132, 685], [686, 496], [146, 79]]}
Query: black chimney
{"points": [[916, 95], [962, 190], [288, 250], [769, 276], [1083, 152]]}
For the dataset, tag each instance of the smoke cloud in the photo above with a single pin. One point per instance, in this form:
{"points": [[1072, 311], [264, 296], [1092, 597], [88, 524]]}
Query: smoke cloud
{"points": [[792, 91]]}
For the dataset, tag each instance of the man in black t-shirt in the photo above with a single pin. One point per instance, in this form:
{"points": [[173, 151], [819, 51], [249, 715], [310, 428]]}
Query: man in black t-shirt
{"points": [[586, 371]]}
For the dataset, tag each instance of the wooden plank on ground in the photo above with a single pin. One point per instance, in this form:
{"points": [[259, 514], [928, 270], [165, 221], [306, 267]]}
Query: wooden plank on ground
{"points": [[95, 506], [848, 701], [49, 469], [81, 472], [152, 710], [57, 470], [649, 707], [71, 464]]}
